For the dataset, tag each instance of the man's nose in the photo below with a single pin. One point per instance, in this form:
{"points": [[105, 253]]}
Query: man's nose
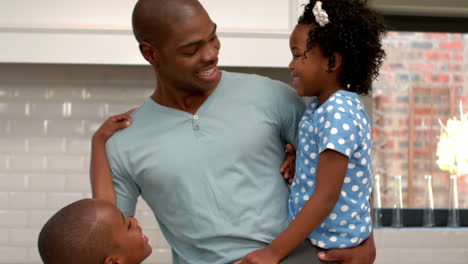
{"points": [[210, 53]]}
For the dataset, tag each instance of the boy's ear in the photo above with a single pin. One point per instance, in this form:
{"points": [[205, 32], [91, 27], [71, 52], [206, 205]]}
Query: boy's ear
{"points": [[150, 53]]}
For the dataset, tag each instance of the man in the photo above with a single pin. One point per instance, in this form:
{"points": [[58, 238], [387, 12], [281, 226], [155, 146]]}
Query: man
{"points": [[205, 150]]}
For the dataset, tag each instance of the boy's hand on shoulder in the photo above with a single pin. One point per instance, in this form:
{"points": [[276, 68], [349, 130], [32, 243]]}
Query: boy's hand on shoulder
{"points": [[111, 125], [261, 256]]}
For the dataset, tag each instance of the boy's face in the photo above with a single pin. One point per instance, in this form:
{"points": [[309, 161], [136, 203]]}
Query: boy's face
{"points": [[131, 244]]}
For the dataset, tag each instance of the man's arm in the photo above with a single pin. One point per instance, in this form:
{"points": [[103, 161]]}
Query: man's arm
{"points": [[365, 253]]}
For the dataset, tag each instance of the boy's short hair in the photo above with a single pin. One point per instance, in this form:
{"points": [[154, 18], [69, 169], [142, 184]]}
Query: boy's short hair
{"points": [[75, 234]]}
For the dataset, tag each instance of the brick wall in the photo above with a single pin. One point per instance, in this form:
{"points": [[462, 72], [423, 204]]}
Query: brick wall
{"points": [[428, 69]]}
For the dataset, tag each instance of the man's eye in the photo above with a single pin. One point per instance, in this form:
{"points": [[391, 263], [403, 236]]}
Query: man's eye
{"points": [[189, 52]]}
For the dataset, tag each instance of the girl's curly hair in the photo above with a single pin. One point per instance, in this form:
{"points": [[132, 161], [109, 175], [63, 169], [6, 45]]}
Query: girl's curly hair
{"points": [[355, 31]]}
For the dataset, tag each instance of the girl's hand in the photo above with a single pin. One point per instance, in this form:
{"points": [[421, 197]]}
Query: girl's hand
{"points": [[289, 164], [261, 256], [113, 124]]}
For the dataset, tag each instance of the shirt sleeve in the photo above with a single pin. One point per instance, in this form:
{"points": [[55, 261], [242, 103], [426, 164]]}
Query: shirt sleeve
{"points": [[291, 108], [338, 131], [126, 189]]}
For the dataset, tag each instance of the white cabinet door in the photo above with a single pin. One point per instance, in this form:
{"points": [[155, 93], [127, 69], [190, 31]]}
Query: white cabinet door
{"points": [[263, 15]]}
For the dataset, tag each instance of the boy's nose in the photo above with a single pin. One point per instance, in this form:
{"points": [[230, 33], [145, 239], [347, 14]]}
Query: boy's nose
{"points": [[134, 221]]}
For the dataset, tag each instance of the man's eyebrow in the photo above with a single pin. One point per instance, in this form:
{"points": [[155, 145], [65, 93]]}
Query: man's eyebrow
{"points": [[198, 41]]}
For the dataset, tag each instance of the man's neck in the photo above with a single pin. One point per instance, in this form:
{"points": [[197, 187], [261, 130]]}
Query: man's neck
{"points": [[185, 101]]}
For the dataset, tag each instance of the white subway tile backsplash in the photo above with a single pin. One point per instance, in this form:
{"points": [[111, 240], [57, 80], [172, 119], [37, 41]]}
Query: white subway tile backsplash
{"points": [[13, 182], [3, 200], [33, 256], [27, 200], [26, 90], [37, 218], [13, 218], [156, 238], [77, 183], [59, 200], [66, 128], [78, 146], [46, 110], [46, 145], [87, 110], [28, 163], [5, 91], [65, 163], [24, 236], [145, 218], [4, 162], [46, 182], [13, 145], [4, 237], [13, 255], [26, 127], [160, 256], [12, 110]]}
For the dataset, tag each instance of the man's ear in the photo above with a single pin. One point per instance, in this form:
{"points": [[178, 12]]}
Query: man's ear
{"points": [[111, 260], [150, 53]]}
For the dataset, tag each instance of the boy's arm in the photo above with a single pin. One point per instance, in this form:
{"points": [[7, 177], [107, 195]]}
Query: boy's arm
{"points": [[100, 173], [331, 171]]}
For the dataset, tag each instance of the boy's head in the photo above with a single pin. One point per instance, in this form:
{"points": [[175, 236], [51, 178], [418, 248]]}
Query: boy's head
{"points": [[350, 35], [92, 231]]}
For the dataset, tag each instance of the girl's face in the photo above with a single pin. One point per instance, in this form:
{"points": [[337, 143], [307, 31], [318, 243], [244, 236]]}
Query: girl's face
{"points": [[309, 69]]}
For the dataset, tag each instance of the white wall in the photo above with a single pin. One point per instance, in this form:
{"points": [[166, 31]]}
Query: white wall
{"points": [[99, 32]]}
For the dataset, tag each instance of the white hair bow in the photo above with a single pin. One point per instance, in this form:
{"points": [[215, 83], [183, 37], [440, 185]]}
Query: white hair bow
{"points": [[320, 15]]}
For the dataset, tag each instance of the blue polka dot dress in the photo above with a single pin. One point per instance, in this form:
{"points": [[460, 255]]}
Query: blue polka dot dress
{"points": [[340, 124]]}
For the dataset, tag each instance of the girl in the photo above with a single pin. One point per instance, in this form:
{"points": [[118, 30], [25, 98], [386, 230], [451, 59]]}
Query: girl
{"points": [[337, 52]]}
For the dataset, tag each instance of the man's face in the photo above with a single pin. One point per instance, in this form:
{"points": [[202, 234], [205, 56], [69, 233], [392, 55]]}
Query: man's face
{"points": [[189, 56], [131, 244]]}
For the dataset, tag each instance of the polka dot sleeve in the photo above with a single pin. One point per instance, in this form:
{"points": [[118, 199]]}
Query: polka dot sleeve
{"points": [[338, 131]]}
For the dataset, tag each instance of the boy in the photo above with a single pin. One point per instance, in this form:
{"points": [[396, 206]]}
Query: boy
{"points": [[92, 231]]}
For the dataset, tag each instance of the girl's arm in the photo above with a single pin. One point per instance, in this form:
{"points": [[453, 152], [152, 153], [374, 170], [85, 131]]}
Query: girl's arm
{"points": [[100, 173], [332, 167]]}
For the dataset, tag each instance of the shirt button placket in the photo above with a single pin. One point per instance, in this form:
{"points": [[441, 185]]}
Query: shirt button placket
{"points": [[196, 122]]}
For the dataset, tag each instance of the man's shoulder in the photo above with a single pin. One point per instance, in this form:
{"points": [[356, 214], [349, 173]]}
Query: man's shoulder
{"points": [[135, 131], [259, 85], [253, 78]]}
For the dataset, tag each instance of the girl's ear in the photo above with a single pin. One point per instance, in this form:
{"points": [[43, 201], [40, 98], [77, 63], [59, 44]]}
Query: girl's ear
{"points": [[334, 62]]}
